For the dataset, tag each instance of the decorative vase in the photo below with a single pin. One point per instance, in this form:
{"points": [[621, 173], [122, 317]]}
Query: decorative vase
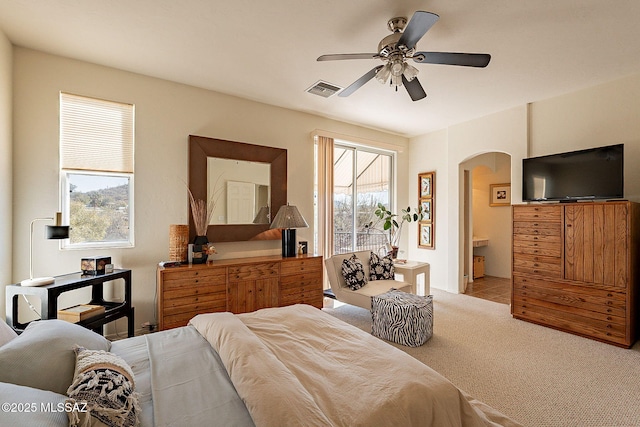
{"points": [[200, 253]]}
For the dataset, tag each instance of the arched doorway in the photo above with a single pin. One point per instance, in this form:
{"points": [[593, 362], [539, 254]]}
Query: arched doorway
{"points": [[486, 226]]}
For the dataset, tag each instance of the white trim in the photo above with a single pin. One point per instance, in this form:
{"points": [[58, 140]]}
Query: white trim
{"points": [[398, 148]]}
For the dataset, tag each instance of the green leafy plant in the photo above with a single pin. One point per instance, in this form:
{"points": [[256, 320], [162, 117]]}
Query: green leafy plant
{"points": [[393, 222]]}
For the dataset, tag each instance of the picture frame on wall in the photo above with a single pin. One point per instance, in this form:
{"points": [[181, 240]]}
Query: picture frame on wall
{"points": [[426, 234], [426, 209], [425, 182], [500, 194]]}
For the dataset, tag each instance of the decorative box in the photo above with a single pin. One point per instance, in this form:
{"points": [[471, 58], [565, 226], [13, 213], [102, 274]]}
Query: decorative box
{"points": [[80, 312], [94, 265]]}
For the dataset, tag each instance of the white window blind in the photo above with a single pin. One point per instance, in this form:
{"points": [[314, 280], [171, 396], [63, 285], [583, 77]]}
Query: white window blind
{"points": [[95, 134]]}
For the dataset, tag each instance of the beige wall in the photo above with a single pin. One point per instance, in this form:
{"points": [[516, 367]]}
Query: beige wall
{"points": [[446, 152], [6, 198], [166, 113]]}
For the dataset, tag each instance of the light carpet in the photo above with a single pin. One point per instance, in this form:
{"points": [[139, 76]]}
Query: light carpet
{"points": [[536, 375]]}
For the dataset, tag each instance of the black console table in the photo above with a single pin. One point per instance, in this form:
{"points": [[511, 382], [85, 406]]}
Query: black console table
{"points": [[49, 294]]}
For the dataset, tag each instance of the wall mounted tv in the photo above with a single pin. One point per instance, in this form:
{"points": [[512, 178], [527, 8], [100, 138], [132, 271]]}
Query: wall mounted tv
{"points": [[595, 173]]}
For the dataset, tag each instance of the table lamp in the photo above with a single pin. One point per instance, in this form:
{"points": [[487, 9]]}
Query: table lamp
{"points": [[263, 216], [288, 219], [57, 231]]}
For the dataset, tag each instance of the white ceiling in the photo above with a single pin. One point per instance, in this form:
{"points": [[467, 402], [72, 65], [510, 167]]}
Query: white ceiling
{"points": [[266, 50]]}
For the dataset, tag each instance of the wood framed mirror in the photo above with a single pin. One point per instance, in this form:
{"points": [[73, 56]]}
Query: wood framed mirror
{"points": [[202, 150]]}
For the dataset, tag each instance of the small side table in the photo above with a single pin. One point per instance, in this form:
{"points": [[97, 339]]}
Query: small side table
{"points": [[410, 271], [49, 294]]}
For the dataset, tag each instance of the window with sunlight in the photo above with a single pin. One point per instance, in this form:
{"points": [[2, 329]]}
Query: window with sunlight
{"points": [[96, 168], [362, 178]]}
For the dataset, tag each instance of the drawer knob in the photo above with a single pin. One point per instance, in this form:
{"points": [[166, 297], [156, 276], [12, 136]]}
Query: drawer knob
{"points": [[609, 295]]}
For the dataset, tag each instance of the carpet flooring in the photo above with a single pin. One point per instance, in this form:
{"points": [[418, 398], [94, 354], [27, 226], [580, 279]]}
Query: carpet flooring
{"points": [[536, 375]]}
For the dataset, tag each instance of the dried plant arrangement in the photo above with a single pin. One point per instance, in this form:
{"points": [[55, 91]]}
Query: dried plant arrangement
{"points": [[202, 211]]}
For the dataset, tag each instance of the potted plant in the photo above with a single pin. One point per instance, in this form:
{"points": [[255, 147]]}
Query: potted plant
{"points": [[393, 223]]}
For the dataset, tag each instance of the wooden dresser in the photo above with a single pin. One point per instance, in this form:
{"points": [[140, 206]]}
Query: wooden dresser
{"points": [[237, 285], [575, 268]]}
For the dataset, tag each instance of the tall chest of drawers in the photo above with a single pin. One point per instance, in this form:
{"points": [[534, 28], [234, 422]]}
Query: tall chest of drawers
{"points": [[574, 268], [237, 285]]}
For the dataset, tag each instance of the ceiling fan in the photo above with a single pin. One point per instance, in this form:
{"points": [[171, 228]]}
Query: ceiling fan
{"points": [[397, 48]]}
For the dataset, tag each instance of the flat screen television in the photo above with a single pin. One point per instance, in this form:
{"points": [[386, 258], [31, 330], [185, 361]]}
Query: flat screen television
{"points": [[595, 173]]}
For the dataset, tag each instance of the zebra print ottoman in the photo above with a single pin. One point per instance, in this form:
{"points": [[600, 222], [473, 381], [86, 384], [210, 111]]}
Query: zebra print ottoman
{"points": [[403, 318]]}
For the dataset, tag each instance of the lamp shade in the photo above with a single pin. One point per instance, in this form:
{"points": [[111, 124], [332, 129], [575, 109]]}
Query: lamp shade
{"points": [[288, 216], [57, 231], [263, 216]]}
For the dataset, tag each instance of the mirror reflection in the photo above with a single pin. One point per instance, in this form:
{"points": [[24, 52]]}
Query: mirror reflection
{"points": [[242, 191]]}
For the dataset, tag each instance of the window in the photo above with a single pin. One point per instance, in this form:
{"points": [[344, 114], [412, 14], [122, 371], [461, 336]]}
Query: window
{"points": [[362, 178], [96, 168]]}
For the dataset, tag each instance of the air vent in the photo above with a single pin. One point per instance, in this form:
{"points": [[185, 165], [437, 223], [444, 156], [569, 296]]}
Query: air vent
{"points": [[323, 89]]}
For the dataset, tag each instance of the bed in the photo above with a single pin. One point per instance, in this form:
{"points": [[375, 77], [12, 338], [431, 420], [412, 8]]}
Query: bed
{"points": [[288, 366]]}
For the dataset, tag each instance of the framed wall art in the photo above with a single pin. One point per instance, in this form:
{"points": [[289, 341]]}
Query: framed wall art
{"points": [[426, 199], [426, 235], [500, 195], [426, 184]]}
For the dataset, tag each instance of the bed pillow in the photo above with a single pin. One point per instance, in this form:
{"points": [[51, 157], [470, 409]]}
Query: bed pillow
{"points": [[381, 268], [103, 391], [26, 406], [42, 356], [6, 333], [353, 273]]}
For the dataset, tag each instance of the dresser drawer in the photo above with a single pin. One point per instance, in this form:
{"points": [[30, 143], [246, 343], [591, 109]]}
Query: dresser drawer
{"points": [[537, 213], [180, 316], [605, 302], [304, 295], [253, 271], [537, 228], [313, 277], [553, 249], [176, 299], [527, 264], [532, 238], [186, 278], [303, 265], [572, 320]]}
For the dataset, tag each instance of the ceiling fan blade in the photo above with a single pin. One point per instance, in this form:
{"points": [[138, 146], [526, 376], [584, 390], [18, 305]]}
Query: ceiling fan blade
{"points": [[360, 82], [414, 88], [453, 58], [416, 28], [340, 56]]}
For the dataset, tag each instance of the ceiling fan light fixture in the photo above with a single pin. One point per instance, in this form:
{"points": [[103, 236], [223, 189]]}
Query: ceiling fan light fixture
{"points": [[396, 80], [383, 75], [410, 72]]}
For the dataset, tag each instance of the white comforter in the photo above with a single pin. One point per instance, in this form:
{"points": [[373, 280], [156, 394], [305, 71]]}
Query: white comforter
{"points": [[297, 366]]}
